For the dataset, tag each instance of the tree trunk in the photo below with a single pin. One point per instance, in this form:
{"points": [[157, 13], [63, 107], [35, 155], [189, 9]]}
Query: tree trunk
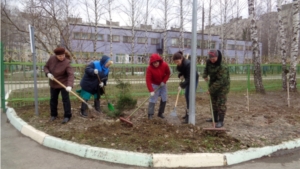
{"points": [[294, 53], [255, 50], [181, 36], [282, 45]]}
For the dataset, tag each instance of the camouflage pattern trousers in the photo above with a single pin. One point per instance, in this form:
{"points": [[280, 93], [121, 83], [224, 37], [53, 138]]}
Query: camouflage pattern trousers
{"points": [[219, 103]]}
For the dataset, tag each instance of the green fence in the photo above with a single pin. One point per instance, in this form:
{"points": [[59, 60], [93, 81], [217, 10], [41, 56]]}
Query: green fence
{"points": [[18, 79]]}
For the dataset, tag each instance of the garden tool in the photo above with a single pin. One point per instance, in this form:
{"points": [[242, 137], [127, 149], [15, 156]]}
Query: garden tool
{"points": [[213, 118], [109, 105], [127, 119], [173, 113], [89, 106]]}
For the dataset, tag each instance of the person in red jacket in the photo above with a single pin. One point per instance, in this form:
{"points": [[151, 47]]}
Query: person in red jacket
{"points": [[157, 75]]}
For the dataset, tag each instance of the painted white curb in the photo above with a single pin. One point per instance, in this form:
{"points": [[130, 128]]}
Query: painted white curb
{"points": [[120, 156], [66, 146], [34, 134], [253, 153], [143, 159], [188, 160], [14, 119]]}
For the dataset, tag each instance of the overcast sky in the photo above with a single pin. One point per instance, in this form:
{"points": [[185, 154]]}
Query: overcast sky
{"points": [[218, 7]]}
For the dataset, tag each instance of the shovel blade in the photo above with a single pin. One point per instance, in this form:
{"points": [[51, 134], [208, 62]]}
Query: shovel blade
{"points": [[173, 113], [110, 107]]}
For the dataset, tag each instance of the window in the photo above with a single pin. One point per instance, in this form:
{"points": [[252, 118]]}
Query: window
{"points": [[212, 45], [248, 47], [198, 43], [115, 38], [239, 47], [230, 47], [174, 42], [100, 37], [77, 35], [154, 41], [127, 39], [85, 36], [187, 43], [141, 40]]}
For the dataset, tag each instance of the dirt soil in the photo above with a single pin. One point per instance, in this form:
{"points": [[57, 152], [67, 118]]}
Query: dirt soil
{"points": [[269, 121]]}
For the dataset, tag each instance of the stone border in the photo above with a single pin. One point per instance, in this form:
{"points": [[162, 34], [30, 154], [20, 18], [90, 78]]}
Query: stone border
{"points": [[143, 159]]}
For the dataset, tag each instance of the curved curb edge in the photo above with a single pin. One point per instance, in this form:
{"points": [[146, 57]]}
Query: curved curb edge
{"points": [[143, 159]]}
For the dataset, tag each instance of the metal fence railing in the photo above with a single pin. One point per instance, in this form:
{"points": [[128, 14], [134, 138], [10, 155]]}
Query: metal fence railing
{"points": [[18, 79]]}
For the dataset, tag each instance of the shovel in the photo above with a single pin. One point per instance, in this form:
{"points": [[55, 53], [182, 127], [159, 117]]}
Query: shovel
{"points": [[109, 105], [89, 106], [173, 113], [213, 119]]}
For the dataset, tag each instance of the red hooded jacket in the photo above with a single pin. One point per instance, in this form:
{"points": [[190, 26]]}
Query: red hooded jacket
{"points": [[156, 75]]}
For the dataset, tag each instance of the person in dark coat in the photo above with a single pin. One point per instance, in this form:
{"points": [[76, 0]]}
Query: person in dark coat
{"points": [[219, 85], [59, 67], [90, 84], [157, 75], [184, 68]]}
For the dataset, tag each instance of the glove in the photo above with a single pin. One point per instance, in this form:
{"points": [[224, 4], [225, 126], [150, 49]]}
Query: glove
{"points": [[152, 93], [162, 84], [101, 84], [182, 85], [68, 89], [96, 71], [179, 88], [50, 76]]}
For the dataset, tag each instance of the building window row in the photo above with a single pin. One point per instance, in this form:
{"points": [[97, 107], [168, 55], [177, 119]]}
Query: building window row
{"points": [[115, 38]]}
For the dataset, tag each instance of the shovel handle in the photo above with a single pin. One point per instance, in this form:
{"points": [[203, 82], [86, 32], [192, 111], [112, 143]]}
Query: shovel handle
{"points": [[177, 97], [70, 91], [103, 89]]}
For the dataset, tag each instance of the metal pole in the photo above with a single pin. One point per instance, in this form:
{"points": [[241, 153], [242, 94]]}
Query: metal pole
{"points": [[32, 47], [193, 66], [2, 69]]}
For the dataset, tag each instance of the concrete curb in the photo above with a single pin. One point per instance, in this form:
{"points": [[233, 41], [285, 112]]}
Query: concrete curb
{"points": [[143, 159]]}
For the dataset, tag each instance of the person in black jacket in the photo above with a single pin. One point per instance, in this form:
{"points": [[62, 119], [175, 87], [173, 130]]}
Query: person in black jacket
{"points": [[184, 68], [90, 84]]}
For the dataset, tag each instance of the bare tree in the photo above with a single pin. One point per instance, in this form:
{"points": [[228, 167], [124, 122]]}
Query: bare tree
{"points": [[133, 10], [94, 14], [165, 7], [255, 50], [282, 45], [295, 44]]}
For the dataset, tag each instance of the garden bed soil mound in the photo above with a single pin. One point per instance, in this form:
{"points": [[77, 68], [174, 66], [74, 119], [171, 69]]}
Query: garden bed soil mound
{"points": [[269, 121]]}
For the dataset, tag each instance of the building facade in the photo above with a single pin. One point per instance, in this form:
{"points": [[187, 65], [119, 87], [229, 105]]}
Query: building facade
{"points": [[90, 42]]}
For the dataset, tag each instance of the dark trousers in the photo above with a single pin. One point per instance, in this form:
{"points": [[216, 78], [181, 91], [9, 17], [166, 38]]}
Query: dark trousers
{"points": [[187, 94], [54, 101]]}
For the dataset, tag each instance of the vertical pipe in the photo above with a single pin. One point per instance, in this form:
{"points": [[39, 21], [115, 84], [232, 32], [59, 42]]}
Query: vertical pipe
{"points": [[2, 92], [31, 34], [193, 66]]}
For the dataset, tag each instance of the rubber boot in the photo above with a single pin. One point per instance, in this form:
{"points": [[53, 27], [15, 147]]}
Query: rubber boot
{"points": [[186, 120], [215, 117], [83, 109], [220, 123], [151, 110], [97, 105], [161, 110]]}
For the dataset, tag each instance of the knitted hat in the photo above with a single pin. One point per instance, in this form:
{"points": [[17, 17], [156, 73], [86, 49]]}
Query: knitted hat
{"points": [[213, 53], [59, 51]]}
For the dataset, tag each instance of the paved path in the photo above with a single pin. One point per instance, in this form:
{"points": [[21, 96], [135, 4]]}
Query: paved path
{"points": [[20, 152]]}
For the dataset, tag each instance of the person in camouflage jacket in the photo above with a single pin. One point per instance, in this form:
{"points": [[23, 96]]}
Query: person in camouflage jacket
{"points": [[219, 85]]}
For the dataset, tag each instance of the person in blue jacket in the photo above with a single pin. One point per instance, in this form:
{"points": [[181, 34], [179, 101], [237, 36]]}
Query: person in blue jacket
{"points": [[90, 84]]}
